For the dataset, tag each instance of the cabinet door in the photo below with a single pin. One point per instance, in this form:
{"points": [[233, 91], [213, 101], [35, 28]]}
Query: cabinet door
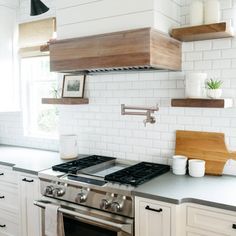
{"points": [[30, 214], [152, 219]]}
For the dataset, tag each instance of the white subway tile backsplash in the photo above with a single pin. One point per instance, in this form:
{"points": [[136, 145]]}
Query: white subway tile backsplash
{"points": [[212, 55], [193, 56], [203, 45], [222, 43]]}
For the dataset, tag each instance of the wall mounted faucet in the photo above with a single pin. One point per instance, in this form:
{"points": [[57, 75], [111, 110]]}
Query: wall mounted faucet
{"points": [[148, 112]]}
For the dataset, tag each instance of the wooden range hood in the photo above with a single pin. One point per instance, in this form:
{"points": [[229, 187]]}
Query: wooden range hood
{"points": [[127, 50]]}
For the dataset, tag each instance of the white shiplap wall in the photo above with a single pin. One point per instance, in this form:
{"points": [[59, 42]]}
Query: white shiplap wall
{"points": [[102, 130], [89, 17]]}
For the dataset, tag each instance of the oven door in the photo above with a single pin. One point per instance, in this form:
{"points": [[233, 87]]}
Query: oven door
{"points": [[81, 221]]}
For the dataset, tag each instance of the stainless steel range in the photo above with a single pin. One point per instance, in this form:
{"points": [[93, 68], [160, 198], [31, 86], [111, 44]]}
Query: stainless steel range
{"points": [[95, 193]]}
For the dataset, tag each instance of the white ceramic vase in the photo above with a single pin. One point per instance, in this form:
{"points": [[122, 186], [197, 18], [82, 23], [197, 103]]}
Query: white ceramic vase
{"points": [[214, 93]]}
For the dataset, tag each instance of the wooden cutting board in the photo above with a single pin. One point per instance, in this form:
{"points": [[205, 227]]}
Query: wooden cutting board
{"points": [[206, 146]]}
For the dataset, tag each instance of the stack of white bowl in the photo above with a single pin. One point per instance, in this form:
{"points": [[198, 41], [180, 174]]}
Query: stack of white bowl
{"points": [[179, 164], [196, 168]]}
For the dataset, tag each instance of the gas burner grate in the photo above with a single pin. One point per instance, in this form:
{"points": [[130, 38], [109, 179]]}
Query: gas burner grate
{"points": [[73, 167], [138, 174]]}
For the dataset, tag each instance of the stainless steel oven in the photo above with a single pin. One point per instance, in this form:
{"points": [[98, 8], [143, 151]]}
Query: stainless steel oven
{"points": [[81, 221]]}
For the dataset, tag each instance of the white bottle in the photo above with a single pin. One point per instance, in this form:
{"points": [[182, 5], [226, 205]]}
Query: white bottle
{"points": [[212, 11], [196, 12]]}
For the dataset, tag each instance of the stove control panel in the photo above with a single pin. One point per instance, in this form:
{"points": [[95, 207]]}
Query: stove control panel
{"points": [[96, 197]]}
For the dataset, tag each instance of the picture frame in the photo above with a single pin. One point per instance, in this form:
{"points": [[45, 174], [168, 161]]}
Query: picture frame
{"points": [[73, 86]]}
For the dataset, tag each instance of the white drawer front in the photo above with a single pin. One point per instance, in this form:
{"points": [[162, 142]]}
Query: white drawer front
{"points": [[8, 176], [8, 224], [9, 197], [196, 232], [212, 221]]}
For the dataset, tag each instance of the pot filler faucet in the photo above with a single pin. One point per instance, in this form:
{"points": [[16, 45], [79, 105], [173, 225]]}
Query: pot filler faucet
{"points": [[148, 112]]}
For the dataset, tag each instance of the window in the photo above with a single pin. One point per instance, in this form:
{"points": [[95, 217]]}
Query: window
{"points": [[40, 120]]}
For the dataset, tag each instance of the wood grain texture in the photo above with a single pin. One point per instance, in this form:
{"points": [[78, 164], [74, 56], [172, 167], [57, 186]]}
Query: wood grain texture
{"points": [[202, 32], [207, 103], [65, 101], [206, 146], [142, 47]]}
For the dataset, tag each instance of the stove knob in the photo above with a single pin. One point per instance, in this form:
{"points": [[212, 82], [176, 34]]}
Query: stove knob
{"points": [[116, 207], [104, 204], [58, 192], [48, 190], [82, 196], [118, 203]]}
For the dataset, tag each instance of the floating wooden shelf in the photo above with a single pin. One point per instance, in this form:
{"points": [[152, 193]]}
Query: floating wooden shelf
{"points": [[203, 32], [65, 101], [202, 103]]}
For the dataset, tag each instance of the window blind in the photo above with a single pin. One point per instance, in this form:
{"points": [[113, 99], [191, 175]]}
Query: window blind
{"points": [[33, 37]]}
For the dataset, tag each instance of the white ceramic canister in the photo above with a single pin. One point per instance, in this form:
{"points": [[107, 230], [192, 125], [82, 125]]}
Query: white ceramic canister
{"points": [[196, 14], [68, 146], [212, 11], [195, 85], [196, 168]]}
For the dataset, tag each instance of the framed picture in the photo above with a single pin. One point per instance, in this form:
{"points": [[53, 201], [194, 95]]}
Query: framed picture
{"points": [[73, 86]]}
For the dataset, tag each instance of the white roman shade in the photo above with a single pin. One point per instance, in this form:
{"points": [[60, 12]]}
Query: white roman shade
{"points": [[34, 37]]}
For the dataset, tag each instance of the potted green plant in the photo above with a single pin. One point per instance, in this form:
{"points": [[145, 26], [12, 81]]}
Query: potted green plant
{"points": [[213, 87]]}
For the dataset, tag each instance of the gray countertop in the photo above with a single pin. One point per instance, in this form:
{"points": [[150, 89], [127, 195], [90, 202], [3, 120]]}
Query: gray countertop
{"points": [[28, 160], [215, 191], [210, 190]]}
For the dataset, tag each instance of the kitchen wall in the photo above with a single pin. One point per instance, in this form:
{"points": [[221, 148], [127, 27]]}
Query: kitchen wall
{"points": [[102, 130]]}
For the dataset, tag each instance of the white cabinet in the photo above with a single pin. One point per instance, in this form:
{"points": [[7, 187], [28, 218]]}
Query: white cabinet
{"points": [[152, 218], [9, 207], [209, 221], [30, 215]]}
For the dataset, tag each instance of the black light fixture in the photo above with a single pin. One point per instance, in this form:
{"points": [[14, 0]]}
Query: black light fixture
{"points": [[38, 8]]}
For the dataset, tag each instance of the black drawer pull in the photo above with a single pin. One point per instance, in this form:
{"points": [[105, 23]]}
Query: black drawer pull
{"points": [[152, 209], [1, 174], [234, 226], [28, 180], [2, 226], [1, 197]]}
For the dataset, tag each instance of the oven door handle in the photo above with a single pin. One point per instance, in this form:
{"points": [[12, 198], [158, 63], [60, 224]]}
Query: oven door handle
{"points": [[127, 228]]}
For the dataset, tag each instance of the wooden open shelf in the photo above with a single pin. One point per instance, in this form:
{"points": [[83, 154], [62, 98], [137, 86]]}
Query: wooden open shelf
{"points": [[202, 103], [65, 101], [203, 32]]}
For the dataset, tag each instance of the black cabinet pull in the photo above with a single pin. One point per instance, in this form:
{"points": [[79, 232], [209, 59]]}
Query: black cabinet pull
{"points": [[2, 226], [152, 209], [28, 180], [1, 197], [1, 174], [234, 226]]}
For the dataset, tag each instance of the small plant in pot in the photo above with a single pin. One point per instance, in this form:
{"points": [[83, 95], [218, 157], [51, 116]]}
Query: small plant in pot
{"points": [[214, 90]]}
